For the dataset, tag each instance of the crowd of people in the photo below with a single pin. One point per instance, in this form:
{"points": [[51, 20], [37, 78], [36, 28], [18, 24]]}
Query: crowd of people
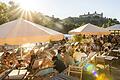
{"points": [[61, 54]]}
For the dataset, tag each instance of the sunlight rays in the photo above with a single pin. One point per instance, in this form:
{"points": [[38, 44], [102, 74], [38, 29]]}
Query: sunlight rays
{"points": [[21, 13], [23, 9], [27, 5]]}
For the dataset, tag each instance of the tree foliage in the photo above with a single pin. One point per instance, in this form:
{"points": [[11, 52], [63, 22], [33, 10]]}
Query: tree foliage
{"points": [[3, 13], [77, 38], [74, 22]]}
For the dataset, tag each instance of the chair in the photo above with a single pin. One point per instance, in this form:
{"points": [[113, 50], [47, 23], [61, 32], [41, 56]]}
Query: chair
{"points": [[75, 70], [92, 55], [100, 62], [37, 63]]}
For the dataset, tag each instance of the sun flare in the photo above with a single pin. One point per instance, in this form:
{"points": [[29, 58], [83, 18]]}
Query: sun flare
{"points": [[26, 4]]}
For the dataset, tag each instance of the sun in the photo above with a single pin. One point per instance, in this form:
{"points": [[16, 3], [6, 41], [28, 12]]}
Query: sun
{"points": [[26, 4]]}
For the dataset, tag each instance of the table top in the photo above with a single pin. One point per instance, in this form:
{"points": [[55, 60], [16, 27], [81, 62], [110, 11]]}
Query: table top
{"points": [[109, 57], [17, 74], [116, 50]]}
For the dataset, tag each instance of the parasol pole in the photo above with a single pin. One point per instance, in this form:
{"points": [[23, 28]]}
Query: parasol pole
{"points": [[20, 51]]}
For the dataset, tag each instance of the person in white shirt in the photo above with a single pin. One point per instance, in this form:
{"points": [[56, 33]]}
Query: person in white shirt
{"points": [[78, 56]]}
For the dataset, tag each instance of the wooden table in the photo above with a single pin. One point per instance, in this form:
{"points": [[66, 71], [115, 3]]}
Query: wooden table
{"points": [[17, 74], [110, 57], [116, 52]]}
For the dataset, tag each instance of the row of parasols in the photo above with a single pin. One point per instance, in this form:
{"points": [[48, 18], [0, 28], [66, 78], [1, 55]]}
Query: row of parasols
{"points": [[21, 31]]}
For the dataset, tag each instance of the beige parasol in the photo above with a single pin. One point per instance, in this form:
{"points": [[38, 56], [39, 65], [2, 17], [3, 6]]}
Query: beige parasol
{"points": [[22, 31], [90, 29]]}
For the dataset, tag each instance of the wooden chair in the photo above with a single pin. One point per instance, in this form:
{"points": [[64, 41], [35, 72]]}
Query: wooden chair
{"points": [[100, 62], [75, 70]]}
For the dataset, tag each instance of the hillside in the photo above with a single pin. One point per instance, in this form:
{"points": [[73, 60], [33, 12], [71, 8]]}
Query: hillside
{"points": [[96, 19]]}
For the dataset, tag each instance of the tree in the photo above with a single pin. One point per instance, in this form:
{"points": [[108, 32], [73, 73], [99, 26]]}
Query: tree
{"points": [[3, 13], [14, 11], [74, 22], [77, 38]]}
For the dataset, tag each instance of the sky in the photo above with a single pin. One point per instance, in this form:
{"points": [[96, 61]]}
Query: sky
{"points": [[65, 8]]}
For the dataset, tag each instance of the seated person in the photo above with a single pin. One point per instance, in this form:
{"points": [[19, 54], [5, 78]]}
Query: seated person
{"points": [[59, 55], [58, 64], [79, 56], [33, 57], [68, 59]]}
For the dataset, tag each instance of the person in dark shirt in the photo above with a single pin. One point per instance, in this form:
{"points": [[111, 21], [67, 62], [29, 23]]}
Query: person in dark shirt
{"points": [[33, 57], [59, 55], [58, 64]]}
